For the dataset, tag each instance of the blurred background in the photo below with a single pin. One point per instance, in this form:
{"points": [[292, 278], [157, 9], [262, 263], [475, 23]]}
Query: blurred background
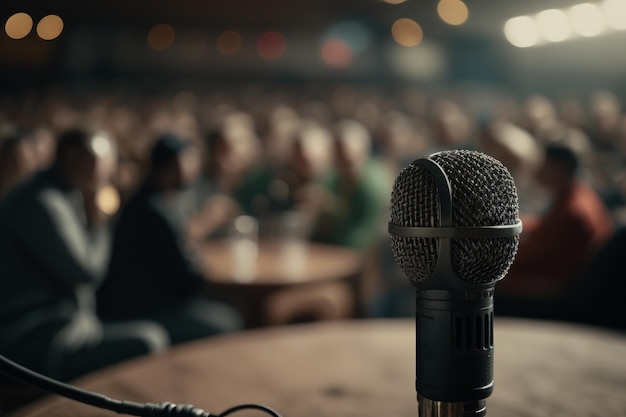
{"points": [[265, 88], [427, 43]]}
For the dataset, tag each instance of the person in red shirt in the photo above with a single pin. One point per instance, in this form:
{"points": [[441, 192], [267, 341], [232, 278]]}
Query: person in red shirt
{"points": [[555, 247]]}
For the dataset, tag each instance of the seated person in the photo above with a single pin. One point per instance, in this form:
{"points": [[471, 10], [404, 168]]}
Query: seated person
{"points": [[153, 273], [208, 204], [17, 157], [555, 248], [349, 207], [54, 248]]}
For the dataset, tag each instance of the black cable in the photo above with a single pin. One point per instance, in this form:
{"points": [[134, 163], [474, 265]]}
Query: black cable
{"points": [[236, 408], [163, 409]]}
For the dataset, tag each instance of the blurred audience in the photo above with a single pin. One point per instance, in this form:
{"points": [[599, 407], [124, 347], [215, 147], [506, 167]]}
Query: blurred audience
{"points": [[326, 155], [287, 181], [348, 206], [556, 246], [154, 271], [208, 204], [54, 252]]}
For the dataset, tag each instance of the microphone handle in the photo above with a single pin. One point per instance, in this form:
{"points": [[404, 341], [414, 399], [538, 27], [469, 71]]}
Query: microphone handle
{"points": [[454, 350]]}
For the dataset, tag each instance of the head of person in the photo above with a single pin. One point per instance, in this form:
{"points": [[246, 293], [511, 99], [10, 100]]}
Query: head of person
{"points": [[311, 151], [353, 145], [17, 157], [85, 159], [559, 168], [174, 163]]}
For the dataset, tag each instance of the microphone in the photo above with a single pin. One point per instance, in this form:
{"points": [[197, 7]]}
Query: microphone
{"points": [[454, 230]]}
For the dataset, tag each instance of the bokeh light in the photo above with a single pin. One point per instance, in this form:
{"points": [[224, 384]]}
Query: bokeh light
{"points": [[355, 34], [554, 25], [108, 200], [18, 26], [336, 53], [394, 1], [425, 62], [161, 37], [229, 43], [407, 32], [453, 12], [615, 14], [586, 19], [50, 27], [521, 31], [271, 45]]}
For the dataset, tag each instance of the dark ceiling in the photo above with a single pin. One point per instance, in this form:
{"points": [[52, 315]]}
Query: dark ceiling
{"points": [[476, 49], [486, 16]]}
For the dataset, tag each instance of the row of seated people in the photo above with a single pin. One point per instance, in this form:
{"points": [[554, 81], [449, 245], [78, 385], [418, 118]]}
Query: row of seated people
{"points": [[55, 251]]}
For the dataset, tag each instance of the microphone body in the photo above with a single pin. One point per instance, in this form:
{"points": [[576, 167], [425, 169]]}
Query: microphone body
{"points": [[454, 229]]}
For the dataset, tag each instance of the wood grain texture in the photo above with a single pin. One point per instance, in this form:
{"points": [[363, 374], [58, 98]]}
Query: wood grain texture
{"points": [[365, 368]]}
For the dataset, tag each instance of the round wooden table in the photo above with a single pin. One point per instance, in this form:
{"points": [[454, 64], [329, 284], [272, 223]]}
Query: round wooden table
{"points": [[284, 280], [365, 368]]}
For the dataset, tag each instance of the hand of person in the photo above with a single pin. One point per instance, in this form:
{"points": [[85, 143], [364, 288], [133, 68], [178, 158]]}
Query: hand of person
{"points": [[94, 214], [314, 199], [217, 211]]}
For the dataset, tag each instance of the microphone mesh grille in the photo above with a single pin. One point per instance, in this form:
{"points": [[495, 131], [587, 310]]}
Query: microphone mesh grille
{"points": [[483, 194]]}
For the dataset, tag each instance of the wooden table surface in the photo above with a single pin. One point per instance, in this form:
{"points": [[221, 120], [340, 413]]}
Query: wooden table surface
{"points": [[277, 264], [286, 282], [365, 368]]}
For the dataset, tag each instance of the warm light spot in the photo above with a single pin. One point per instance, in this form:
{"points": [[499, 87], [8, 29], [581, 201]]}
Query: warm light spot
{"points": [[229, 43], [271, 45], [50, 27], [453, 12], [554, 25], [161, 37], [521, 31], [615, 13], [586, 19], [394, 1], [336, 53], [407, 32], [18, 26], [108, 200]]}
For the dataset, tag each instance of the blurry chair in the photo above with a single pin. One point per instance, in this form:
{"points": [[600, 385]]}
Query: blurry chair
{"points": [[598, 296], [595, 297]]}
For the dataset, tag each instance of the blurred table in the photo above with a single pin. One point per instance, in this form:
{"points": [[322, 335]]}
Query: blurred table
{"points": [[365, 368], [284, 280]]}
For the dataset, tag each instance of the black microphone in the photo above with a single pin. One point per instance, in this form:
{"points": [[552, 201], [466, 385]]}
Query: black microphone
{"points": [[454, 231]]}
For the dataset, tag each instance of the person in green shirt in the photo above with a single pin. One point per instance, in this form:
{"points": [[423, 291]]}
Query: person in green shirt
{"points": [[355, 192]]}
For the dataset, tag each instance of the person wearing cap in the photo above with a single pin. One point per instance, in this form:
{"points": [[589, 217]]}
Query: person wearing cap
{"points": [[153, 272], [54, 252]]}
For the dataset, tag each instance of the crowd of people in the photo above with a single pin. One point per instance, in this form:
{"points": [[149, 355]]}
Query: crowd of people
{"points": [[106, 195]]}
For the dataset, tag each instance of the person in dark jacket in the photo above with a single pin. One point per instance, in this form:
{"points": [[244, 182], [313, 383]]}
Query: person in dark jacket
{"points": [[154, 273], [54, 252]]}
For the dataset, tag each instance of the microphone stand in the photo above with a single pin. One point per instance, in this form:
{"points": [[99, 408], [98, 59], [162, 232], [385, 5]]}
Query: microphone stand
{"points": [[431, 408]]}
